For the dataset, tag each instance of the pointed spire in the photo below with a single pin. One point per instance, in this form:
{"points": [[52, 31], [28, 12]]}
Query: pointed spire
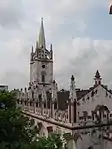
{"points": [[41, 40], [36, 49], [51, 52], [73, 95], [37, 45], [97, 75], [31, 58], [51, 47], [32, 49], [72, 108]]}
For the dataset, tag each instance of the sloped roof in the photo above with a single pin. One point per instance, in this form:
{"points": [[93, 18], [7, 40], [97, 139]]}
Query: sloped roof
{"points": [[63, 96]]}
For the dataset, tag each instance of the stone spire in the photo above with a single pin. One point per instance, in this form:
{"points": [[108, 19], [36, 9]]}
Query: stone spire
{"points": [[54, 97], [72, 107], [32, 54], [73, 96], [97, 78], [41, 41]]}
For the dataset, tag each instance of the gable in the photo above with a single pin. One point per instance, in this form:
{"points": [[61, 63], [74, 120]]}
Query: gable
{"points": [[99, 95]]}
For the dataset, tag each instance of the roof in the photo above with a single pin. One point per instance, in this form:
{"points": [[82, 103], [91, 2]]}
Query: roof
{"points": [[63, 97]]}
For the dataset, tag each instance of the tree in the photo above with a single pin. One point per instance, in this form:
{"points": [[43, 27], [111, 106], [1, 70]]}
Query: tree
{"points": [[17, 131], [52, 142]]}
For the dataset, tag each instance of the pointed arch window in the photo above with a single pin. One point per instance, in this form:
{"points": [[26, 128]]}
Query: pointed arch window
{"points": [[43, 78]]}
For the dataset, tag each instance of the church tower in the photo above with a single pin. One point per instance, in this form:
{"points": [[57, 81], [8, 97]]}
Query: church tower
{"points": [[41, 62]]}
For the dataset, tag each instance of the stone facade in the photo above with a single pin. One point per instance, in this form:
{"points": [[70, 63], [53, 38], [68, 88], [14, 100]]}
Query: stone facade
{"points": [[81, 115]]}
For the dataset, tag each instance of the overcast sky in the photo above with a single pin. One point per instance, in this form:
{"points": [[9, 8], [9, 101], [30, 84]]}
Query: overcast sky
{"points": [[80, 31]]}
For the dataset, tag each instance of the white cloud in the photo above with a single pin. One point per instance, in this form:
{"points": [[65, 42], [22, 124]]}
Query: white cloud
{"points": [[64, 19], [82, 57]]}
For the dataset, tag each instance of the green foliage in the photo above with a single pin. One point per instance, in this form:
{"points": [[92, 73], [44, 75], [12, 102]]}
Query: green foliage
{"points": [[17, 131], [52, 142]]}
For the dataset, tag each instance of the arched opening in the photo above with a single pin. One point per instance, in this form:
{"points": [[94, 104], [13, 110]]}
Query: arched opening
{"points": [[40, 100], [43, 78], [101, 112], [43, 74]]}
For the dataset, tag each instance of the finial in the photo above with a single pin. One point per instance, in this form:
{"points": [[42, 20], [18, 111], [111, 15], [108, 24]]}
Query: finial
{"points": [[36, 44], [97, 75], [32, 49], [54, 81], [72, 78], [42, 19], [51, 47], [25, 89]]}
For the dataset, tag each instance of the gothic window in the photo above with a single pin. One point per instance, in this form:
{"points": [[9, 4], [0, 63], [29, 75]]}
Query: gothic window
{"points": [[43, 78]]}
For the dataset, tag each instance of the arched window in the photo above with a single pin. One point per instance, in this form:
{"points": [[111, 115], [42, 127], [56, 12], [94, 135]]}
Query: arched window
{"points": [[43, 78], [43, 74]]}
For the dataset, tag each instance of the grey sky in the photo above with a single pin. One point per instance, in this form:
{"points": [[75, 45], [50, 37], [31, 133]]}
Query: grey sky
{"points": [[66, 26]]}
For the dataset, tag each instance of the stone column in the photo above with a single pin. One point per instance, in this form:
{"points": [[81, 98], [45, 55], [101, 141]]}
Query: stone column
{"points": [[53, 97], [72, 102]]}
